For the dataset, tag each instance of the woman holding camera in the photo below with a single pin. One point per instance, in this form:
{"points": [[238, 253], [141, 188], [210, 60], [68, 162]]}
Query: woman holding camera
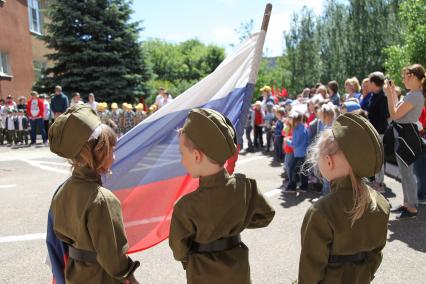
{"points": [[408, 145]]}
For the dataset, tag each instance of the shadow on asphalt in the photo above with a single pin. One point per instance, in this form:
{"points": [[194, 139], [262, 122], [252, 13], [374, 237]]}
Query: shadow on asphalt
{"points": [[290, 200], [411, 232]]}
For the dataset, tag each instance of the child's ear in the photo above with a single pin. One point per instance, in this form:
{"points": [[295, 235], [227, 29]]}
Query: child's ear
{"points": [[198, 156], [330, 162]]}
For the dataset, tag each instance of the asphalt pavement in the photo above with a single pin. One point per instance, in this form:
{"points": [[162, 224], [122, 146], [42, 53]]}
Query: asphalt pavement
{"points": [[29, 176]]}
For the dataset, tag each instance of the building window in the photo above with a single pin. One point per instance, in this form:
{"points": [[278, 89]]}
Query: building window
{"points": [[4, 65], [35, 16], [39, 67]]}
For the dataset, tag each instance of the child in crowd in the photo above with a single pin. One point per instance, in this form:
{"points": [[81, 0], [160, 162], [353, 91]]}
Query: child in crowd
{"points": [[299, 142], [116, 114], [211, 250], [349, 106], [278, 137], [287, 134], [140, 114], [269, 121], [128, 118], [22, 130], [259, 120], [84, 216], [11, 127], [344, 233]]}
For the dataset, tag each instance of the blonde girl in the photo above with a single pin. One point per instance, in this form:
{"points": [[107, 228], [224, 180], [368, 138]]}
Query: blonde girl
{"points": [[344, 233]]}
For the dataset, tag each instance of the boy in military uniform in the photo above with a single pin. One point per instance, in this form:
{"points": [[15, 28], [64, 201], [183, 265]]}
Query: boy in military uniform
{"points": [[343, 234], [22, 130], [84, 215], [206, 224]]}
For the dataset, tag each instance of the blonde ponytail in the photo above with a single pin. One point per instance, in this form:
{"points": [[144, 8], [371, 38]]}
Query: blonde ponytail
{"points": [[363, 199]]}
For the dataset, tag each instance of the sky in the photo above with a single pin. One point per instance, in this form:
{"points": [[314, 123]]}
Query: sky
{"points": [[214, 21]]}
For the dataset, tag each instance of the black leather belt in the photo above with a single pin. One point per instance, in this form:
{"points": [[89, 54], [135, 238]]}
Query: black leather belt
{"points": [[82, 255], [217, 246], [358, 257]]}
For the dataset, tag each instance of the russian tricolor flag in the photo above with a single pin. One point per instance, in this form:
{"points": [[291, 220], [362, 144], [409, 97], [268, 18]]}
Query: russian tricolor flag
{"points": [[147, 175]]}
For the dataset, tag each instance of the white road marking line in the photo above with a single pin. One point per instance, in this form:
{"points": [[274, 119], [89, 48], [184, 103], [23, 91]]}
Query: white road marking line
{"points": [[22, 238], [272, 192], [239, 162], [47, 168], [7, 185]]}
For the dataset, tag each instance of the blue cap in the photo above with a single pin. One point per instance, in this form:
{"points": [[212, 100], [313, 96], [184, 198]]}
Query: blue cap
{"points": [[351, 106], [288, 102]]}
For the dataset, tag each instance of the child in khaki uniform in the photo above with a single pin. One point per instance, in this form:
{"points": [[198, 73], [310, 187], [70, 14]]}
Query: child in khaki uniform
{"points": [[343, 234], [86, 216], [210, 248]]}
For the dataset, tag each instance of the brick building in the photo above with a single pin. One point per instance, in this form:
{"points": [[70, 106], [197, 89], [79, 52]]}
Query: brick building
{"points": [[21, 52]]}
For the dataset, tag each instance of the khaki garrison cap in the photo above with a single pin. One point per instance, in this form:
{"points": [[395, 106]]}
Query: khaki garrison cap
{"points": [[360, 143], [72, 130], [212, 132]]}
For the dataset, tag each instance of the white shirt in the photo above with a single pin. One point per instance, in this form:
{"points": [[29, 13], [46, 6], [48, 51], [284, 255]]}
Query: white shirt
{"points": [[160, 101], [10, 123], [46, 114], [34, 108], [20, 126], [75, 103], [93, 105]]}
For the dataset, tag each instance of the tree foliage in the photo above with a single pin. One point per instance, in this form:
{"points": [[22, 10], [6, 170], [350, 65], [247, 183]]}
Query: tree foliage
{"points": [[96, 49], [346, 40], [412, 48], [176, 67]]}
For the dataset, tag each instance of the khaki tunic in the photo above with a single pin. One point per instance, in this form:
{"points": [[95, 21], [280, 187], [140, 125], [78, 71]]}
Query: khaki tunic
{"points": [[88, 216], [327, 230], [222, 206]]}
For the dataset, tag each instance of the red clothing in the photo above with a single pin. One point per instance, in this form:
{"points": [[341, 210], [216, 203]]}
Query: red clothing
{"points": [[258, 117], [287, 149], [422, 119], [35, 109], [311, 118]]}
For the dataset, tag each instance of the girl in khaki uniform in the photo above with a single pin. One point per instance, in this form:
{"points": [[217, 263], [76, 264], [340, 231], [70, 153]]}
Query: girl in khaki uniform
{"points": [[85, 216], [343, 234]]}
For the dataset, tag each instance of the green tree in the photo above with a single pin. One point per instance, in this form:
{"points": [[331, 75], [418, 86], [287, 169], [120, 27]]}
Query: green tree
{"points": [[176, 67], [302, 51], [96, 50], [412, 48]]}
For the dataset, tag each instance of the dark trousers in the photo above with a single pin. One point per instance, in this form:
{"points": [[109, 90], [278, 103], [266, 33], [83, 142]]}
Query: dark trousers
{"points": [[258, 136], [269, 136], [278, 148], [22, 136], [46, 126], [37, 123], [2, 134], [11, 136], [248, 137], [420, 173], [296, 171]]}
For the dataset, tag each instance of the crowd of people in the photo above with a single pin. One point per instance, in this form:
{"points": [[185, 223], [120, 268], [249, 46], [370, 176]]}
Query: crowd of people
{"points": [[291, 126], [27, 118]]}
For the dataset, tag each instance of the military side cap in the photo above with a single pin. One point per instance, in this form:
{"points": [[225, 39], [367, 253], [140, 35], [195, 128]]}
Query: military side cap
{"points": [[360, 143], [72, 130], [212, 132]]}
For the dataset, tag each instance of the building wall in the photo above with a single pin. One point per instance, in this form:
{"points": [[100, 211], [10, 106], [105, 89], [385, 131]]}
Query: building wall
{"points": [[22, 48], [15, 41]]}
